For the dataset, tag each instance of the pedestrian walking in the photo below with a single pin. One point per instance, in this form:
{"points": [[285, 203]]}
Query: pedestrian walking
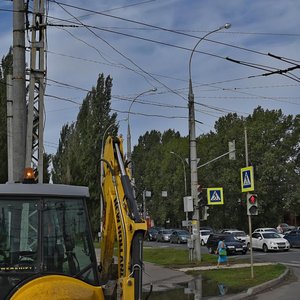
{"points": [[221, 251]]}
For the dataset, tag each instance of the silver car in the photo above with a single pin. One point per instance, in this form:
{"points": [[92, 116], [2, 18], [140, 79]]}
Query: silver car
{"points": [[164, 235], [179, 236]]}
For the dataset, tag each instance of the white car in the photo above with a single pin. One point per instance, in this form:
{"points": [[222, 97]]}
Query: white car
{"points": [[238, 234], [268, 229], [204, 235], [268, 240]]}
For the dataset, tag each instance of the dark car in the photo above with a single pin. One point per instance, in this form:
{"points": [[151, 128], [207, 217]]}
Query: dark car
{"points": [[179, 236], [233, 245], [293, 237], [151, 234]]}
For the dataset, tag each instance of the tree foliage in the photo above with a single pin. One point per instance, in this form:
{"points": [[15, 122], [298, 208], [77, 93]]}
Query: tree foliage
{"points": [[77, 160], [273, 151]]}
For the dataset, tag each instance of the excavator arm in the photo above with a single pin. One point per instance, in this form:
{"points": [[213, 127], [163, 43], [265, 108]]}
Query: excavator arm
{"points": [[121, 223]]}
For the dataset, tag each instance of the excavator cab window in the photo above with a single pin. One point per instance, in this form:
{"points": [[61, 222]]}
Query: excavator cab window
{"points": [[42, 236], [66, 246]]}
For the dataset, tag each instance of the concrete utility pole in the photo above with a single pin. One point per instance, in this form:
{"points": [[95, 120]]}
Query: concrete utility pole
{"points": [[19, 91], [193, 152], [35, 115]]}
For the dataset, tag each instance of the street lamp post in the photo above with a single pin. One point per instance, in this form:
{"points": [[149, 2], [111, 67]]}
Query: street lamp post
{"points": [[128, 128], [193, 149], [184, 175]]}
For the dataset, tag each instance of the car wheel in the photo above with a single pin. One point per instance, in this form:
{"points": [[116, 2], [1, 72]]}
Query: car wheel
{"points": [[244, 252], [178, 241], [248, 246], [202, 243], [265, 248], [210, 250]]}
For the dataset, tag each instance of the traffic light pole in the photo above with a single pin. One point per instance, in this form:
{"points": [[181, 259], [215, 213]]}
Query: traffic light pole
{"points": [[249, 216]]}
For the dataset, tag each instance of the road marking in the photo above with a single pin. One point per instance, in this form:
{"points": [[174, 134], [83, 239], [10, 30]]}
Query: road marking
{"points": [[291, 265]]}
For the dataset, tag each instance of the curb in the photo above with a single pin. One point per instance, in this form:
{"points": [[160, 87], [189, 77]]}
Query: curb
{"points": [[268, 284], [233, 266]]}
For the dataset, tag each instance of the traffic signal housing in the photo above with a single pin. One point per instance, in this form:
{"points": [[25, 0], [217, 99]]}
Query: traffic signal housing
{"points": [[252, 204], [205, 213], [200, 195]]}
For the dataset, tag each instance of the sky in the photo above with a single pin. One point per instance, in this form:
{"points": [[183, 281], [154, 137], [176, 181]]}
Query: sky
{"points": [[145, 45]]}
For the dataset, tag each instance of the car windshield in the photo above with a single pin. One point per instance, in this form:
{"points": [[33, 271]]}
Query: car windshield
{"points": [[230, 238], [271, 235], [166, 231], [207, 232], [271, 229], [183, 232], [240, 233]]}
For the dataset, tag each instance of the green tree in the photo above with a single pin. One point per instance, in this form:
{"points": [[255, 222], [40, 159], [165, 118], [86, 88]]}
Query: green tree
{"points": [[273, 145], [77, 160]]}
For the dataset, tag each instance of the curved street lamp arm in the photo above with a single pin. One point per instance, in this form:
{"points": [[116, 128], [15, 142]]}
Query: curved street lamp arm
{"points": [[226, 26]]}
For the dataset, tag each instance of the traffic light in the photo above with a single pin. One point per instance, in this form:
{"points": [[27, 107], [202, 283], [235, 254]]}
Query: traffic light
{"points": [[252, 205], [205, 213], [200, 195]]}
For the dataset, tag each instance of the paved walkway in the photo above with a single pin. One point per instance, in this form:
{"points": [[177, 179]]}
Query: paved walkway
{"points": [[234, 266], [162, 278]]}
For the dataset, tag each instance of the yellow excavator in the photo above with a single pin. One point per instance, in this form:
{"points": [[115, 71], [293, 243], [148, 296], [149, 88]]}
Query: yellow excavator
{"points": [[46, 245]]}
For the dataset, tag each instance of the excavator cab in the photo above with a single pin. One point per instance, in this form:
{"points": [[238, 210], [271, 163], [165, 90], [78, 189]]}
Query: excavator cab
{"points": [[44, 230]]}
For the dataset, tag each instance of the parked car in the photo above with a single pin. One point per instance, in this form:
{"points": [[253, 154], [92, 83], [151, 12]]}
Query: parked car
{"points": [[238, 234], [233, 246], [268, 229], [164, 235], [151, 234], [268, 240], [207, 228], [204, 234], [285, 227], [179, 236], [293, 237], [227, 229]]}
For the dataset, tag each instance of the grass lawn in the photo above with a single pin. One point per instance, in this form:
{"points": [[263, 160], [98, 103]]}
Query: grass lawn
{"points": [[241, 278], [172, 257]]}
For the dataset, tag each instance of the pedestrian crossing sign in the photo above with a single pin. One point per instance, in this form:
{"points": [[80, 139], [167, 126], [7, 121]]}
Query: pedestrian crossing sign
{"points": [[247, 179], [215, 196]]}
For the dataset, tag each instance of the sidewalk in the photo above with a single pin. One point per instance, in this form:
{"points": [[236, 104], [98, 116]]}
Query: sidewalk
{"points": [[162, 278], [233, 266]]}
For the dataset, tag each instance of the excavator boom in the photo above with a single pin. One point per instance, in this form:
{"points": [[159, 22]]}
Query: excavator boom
{"points": [[123, 221]]}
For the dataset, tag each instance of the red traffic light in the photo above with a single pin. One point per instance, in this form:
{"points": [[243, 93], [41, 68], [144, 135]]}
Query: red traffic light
{"points": [[252, 199]]}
